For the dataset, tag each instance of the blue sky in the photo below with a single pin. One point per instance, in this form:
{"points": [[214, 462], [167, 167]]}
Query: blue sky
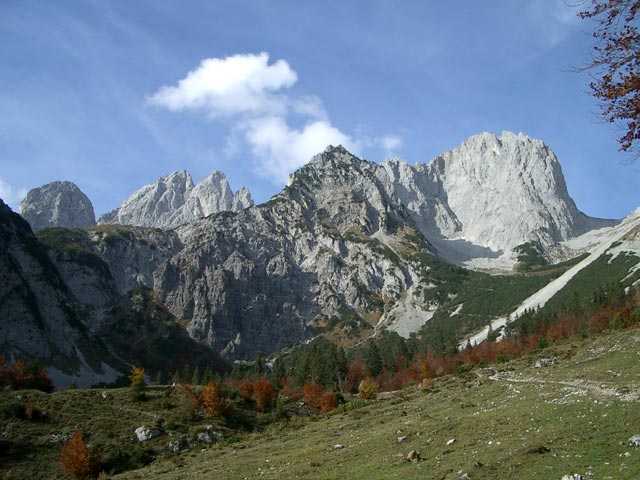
{"points": [[115, 94]]}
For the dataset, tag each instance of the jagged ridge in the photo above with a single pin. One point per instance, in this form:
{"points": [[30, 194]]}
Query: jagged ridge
{"points": [[175, 200]]}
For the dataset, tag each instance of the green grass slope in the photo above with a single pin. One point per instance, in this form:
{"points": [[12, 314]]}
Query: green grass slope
{"points": [[573, 417], [511, 419]]}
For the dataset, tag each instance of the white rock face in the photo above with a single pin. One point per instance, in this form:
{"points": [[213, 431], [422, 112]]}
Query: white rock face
{"points": [[241, 200], [57, 204], [487, 196], [507, 190], [175, 200]]}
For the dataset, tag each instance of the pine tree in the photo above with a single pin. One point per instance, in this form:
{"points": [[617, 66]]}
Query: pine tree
{"points": [[258, 366], [186, 373], [342, 368], [195, 378], [207, 376], [278, 372], [373, 360]]}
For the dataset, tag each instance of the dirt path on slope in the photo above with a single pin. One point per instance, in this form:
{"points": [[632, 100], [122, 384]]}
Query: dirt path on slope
{"points": [[600, 391]]}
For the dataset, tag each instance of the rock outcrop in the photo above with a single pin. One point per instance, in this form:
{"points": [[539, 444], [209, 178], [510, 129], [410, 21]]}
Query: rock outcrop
{"points": [[57, 204], [175, 200]]}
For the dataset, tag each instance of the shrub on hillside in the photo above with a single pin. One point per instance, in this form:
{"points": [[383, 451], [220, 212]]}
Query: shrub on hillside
{"points": [[12, 409], [312, 393], [245, 390], [264, 394], [188, 402], [213, 400], [138, 384], [367, 389], [78, 461], [21, 375], [328, 402], [618, 322]]}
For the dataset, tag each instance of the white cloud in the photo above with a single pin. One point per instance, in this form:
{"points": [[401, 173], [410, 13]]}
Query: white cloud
{"points": [[240, 84], [554, 20], [311, 107], [283, 149], [391, 143], [247, 90], [11, 195]]}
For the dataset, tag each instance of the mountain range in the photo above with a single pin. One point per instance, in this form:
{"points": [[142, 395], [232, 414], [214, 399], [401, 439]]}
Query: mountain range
{"points": [[347, 248]]}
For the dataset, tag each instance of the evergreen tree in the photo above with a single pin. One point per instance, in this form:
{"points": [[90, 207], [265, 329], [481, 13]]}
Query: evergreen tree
{"points": [[258, 366], [237, 372], [207, 375], [302, 368], [278, 372], [342, 364], [491, 335], [195, 378], [372, 359], [186, 373]]}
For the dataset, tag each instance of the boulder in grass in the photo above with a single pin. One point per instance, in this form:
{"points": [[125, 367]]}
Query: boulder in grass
{"points": [[146, 433], [544, 362], [413, 457], [178, 445]]}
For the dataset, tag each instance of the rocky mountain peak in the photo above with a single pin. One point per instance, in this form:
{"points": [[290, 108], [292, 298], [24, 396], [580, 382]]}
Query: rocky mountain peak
{"points": [[241, 199], [175, 200], [57, 204], [334, 166], [507, 190]]}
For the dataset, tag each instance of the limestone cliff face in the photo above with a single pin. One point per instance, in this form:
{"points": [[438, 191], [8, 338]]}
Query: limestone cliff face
{"points": [[175, 200], [57, 204], [507, 190], [487, 196]]}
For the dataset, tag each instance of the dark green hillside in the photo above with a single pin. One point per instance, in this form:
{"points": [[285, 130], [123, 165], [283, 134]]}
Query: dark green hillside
{"points": [[587, 283], [468, 299]]}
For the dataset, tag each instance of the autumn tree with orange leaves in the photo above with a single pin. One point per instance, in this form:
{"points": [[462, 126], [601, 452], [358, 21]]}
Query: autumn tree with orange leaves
{"points": [[213, 400], [78, 461], [264, 394]]}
